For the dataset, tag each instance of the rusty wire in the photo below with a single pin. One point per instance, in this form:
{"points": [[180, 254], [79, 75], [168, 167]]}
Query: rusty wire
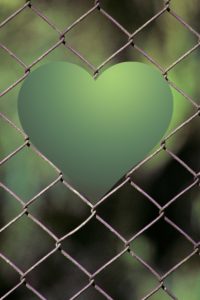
{"points": [[128, 178]]}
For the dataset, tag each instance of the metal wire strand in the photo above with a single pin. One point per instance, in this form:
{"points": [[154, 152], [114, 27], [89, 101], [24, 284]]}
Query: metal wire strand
{"points": [[57, 241]]}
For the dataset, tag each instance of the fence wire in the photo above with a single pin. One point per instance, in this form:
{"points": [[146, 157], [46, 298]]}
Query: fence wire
{"points": [[128, 178]]}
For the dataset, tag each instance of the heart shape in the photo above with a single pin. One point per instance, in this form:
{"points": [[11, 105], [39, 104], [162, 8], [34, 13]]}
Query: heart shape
{"points": [[95, 131]]}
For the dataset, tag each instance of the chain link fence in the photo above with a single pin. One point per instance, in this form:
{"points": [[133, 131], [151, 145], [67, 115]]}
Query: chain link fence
{"points": [[94, 209]]}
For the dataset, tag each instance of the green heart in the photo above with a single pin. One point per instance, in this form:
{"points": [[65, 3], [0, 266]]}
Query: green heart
{"points": [[95, 130]]}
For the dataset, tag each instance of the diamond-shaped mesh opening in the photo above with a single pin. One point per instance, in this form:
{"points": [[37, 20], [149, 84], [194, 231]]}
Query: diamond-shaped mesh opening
{"points": [[67, 12], [133, 204], [161, 194], [59, 200], [96, 239], [132, 277], [21, 181], [135, 15], [18, 244], [69, 277], [164, 258], [161, 45], [96, 25], [32, 28]]}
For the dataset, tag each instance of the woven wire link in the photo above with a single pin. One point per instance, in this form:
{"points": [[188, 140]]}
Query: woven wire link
{"points": [[128, 178]]}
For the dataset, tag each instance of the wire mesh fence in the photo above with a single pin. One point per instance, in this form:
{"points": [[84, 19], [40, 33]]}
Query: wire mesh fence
{"points": [[94, 209]]}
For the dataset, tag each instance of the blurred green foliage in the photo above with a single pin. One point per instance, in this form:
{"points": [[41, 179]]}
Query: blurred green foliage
{"points": [[96, 38]]}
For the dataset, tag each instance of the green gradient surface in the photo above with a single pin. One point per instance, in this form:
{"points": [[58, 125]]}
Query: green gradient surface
{"points": [[95, 130]]}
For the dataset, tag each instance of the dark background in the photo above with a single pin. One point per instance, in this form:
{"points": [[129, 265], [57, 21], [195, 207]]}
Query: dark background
{"points": [[127, 210]]}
